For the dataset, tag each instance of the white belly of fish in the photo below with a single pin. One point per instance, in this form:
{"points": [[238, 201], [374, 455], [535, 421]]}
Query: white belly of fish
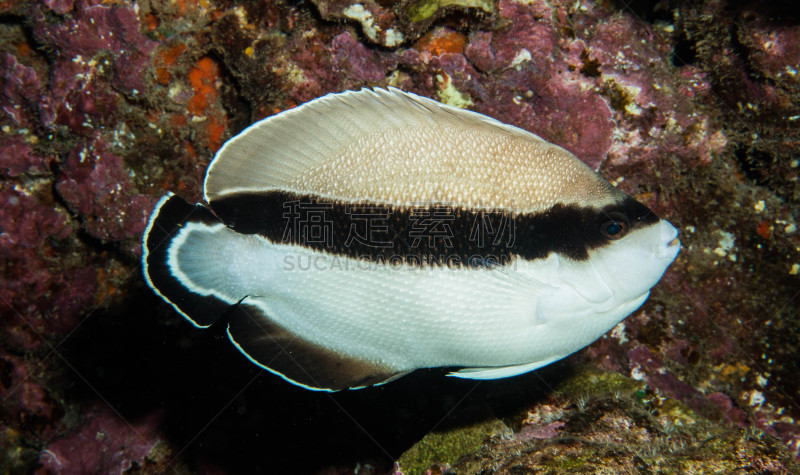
{"points": [[528, 313]]}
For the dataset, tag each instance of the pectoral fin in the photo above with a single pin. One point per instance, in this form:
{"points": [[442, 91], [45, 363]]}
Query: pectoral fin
{"points": [[499, 372]]}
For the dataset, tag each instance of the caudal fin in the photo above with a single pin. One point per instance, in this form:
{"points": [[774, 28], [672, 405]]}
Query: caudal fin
{"points": [[175, 244], [194, 262]]}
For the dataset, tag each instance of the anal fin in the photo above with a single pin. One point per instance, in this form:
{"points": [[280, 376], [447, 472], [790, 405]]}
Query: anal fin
{"points": [[298, 361]]}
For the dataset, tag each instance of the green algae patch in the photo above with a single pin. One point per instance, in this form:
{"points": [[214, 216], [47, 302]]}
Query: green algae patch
{"points": [[678, 412], [424, 9], [611, 434], [446, 447], [448, 94], [592, 382]]}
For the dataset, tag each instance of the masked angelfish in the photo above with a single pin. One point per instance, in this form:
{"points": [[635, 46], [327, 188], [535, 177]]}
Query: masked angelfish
{"points": [[363, 235]]}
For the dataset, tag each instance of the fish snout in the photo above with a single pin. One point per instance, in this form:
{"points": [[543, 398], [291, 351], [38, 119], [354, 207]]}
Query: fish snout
{"points": [[670, 245]]}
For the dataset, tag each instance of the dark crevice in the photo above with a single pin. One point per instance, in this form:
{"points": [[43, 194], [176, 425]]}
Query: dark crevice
{"points": [[591, 66], [11, 19], [648, 10], [755, 165], [684, 53], [742, 51], [785, 11], [238, 108], [117, 249]]}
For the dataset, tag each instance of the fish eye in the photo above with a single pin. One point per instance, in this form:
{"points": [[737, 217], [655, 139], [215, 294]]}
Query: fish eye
{"points": [[616, 227]]}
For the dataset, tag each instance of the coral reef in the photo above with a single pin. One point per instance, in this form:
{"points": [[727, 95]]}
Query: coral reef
{"points": [[752, 60], [106, 444], [628, 430], [692, 108], [404, 21]]}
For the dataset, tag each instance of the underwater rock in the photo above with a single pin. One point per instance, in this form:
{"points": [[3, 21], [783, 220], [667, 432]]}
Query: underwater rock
{"points": [[751, 57], [105, 443], [13, 7], [96, 184], [60, 6], [378, 24], [42, 296], [79, 97], [575, 79], [445, 447], [392, 25], [603, 422], [356, 61], [17, 157], [27, 405], [775, 52], [96, 28], [620, 436], [693, 113], [20, 89]]}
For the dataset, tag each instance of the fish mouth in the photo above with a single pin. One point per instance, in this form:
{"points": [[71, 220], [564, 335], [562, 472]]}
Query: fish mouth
{"points": [[671, 244], [670, 252]]}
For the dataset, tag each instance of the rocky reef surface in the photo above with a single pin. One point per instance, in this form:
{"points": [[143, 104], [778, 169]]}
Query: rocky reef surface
{"points": [[691, 107]]}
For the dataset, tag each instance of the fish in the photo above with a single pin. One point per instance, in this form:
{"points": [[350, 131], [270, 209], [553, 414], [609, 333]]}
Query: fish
{"points": [[367, 234]]}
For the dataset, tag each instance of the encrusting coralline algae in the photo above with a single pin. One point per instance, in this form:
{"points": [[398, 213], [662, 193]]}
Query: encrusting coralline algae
{"points": [[693, 110]]}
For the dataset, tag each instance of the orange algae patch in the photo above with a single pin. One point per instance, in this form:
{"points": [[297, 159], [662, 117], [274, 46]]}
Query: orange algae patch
{"points": [[215, 128], [184, 5], [190, 150], [150, 22], [105, 287], [23, 49], [290, 104], [168, 57], [163, 76], [178, 120], [202, 77], [764, 230], [438, 42], [169, 181], [154, 116], [644, 197]]}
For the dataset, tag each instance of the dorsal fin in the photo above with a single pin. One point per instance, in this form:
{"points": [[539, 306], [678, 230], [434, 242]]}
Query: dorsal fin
{"points": [[396, 148], [275, 152]]}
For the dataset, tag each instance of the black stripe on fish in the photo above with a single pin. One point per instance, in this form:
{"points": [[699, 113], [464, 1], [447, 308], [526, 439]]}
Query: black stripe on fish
{"points": [[436, 234]]}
